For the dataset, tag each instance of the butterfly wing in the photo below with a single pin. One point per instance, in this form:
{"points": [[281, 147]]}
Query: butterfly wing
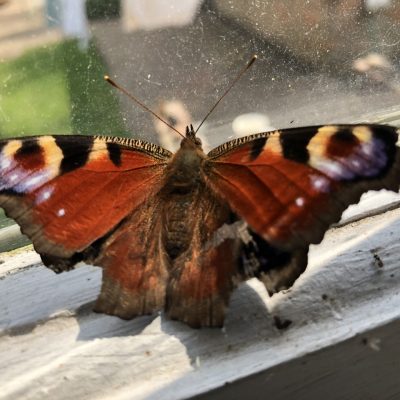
{"points": [[67, 192], [135, 264], [161, 258], [202, 274], [291, 185]]}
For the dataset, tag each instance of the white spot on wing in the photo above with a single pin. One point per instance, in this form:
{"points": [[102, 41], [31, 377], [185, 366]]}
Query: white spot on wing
{"points": [[300, 202], [61, 212], [44, 194], [320, 183]]}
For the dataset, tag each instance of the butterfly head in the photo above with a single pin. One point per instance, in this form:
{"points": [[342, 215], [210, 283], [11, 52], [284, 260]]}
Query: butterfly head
{"points": [[191, 138]]}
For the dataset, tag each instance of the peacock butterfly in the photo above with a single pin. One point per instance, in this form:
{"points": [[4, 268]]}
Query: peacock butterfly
{"points": [[177, 232]]}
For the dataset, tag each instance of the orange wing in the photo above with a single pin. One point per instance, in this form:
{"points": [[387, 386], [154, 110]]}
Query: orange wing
{"points": [[68, 191], [291, 185]]}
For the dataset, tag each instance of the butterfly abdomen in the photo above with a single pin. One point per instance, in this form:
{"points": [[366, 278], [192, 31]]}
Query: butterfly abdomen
{"points": [[176, 212]]}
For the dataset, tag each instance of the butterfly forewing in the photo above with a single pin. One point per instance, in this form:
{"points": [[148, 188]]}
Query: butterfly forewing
{"points": [[68, 191], [290, 185]]}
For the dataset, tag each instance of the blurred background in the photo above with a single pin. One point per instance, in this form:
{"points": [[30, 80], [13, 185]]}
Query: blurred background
{"points": [[320, 61]]}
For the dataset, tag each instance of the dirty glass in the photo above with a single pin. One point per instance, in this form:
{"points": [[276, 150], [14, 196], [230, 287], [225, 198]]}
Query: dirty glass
{"points": [[318, 62]]}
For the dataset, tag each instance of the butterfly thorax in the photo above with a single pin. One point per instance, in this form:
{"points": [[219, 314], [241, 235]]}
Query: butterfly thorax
{"points": [[185, 169]]}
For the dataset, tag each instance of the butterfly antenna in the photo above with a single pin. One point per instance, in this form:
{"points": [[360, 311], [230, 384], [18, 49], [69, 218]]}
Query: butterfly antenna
{"points": [[132, 97], [249, 64]]}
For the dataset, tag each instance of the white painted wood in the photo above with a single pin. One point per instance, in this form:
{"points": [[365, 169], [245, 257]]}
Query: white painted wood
{"points": [[52, 346]]}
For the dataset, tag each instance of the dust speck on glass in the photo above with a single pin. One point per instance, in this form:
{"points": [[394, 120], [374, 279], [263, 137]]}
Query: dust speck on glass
{"points": [[318, 62]]}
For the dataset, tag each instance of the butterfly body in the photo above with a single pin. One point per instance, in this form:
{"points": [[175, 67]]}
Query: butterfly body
{"points": [[178, 232], [177, 228]]}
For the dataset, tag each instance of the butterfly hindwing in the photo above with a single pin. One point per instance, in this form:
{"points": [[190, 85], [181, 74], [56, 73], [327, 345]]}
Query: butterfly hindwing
{"points": [[204, 267], [135, 265], [66, 192], [277, 268], [291, 185]]}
